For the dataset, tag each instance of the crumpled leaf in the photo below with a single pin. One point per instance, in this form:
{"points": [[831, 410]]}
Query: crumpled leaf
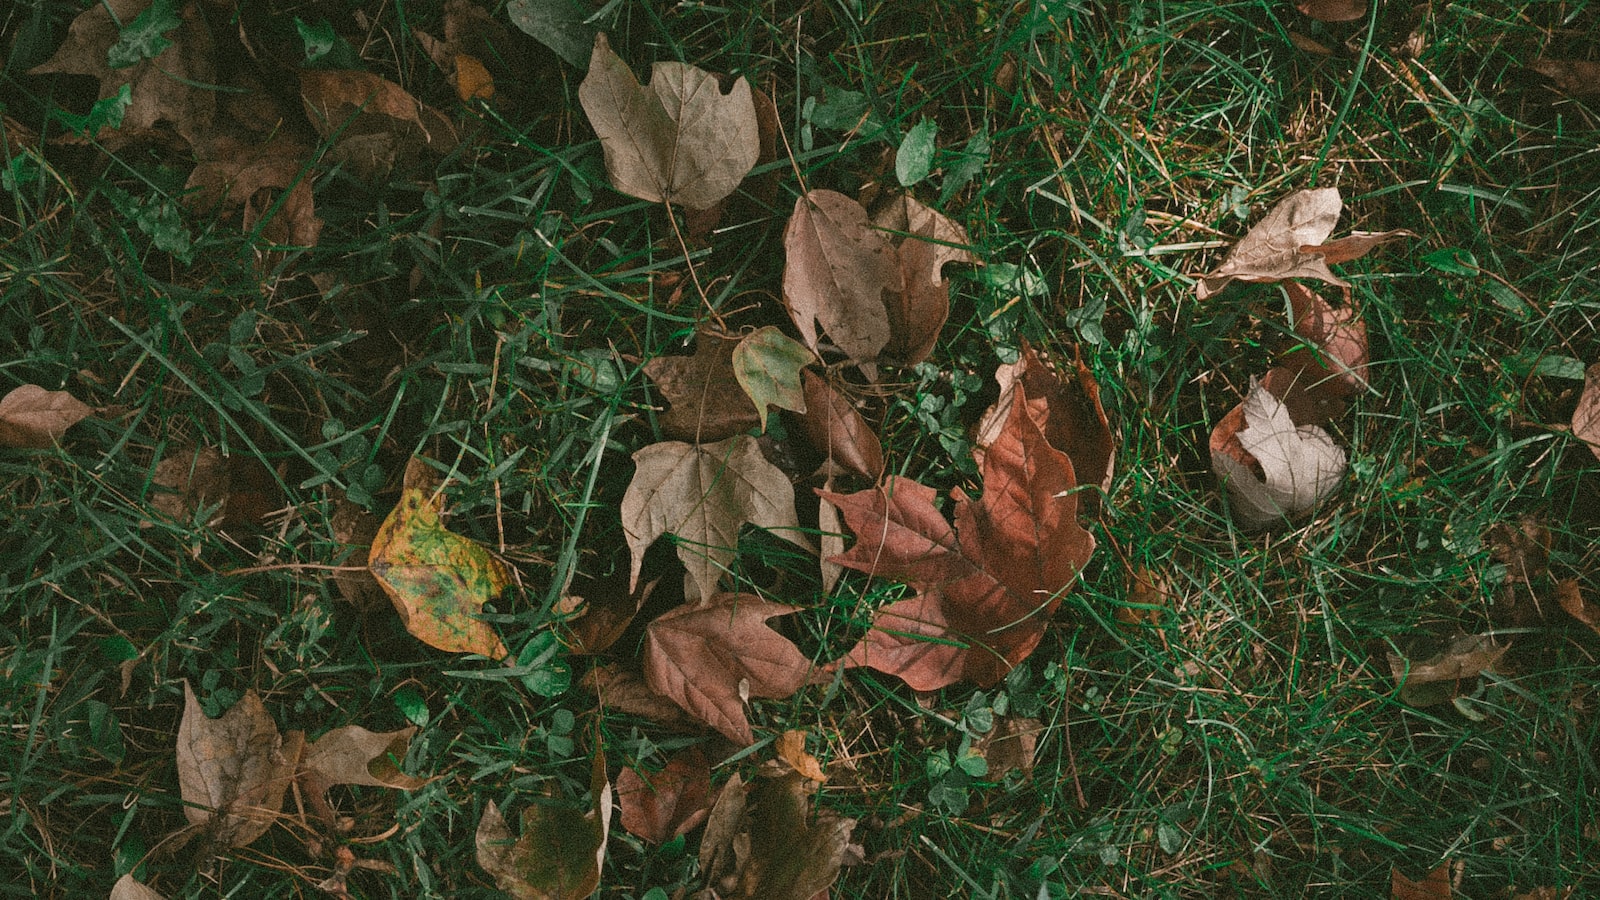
{"points": [[561, 25], [1009, 746], [764, 842], [704, 657], [191, 479], [837, 430], [767, 365], [703, 493], [1436, 679], [1289, 243], [679, 140], [375, 125], [355, 528], [472, 39], [127, 888], [1270, 468], [561, 849], [837, 268], [919, 307], [658, 806], [1433, 886], [707, 402], [1585, 419], [990, 584], [34, 418], [1333, 10], [232, 771], [626, 691], [1570, 595], [174, 90], [1580, 78], [601, 613], [437, 580], [239, 174], [790, 749]]}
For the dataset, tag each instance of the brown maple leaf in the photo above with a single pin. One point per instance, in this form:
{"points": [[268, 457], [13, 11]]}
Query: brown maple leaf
{"points": [[658, 806], [375, 125], [35, 418], [251, 176], [837, 430], [988, 585], [706, 402]]}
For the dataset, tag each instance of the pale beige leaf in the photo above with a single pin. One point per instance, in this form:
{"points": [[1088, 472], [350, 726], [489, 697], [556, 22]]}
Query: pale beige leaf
{"points": [[1272, 249], [1586, 418], [1434, 679], [232, 771], [679, 140], [1299, 466], [34, 418], [836, 270], [354, 755], [127, 888]]}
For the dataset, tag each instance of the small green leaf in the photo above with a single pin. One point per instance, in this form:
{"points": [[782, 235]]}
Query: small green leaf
{"points": [[324, 48], [914, 160], [971, 161], [412, 706], [105, 113], [561, 25], [767, 365], [1453, 260], [551, 675], [146, 36]]}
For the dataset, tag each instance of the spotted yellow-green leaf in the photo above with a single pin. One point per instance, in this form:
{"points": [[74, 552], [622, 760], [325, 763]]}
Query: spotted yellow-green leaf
{"points": [[767, 364], [437, 579]]}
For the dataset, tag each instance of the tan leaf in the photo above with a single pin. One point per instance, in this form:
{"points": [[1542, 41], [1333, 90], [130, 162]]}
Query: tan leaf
{"points": [[34, 418], [1354, 245], [1283, 470], [1009, 746], [355, 528], [837, 430], [659, 806], [765, 842], [1289, 243], [1333, 10], [679, 140], [561, 850], [706, 401], [232, 771], [354, 755], [1580, 78], [1570, 595], [1433, 886], [127, 888], [237, 174], [625, 691], [917, 311], [760, 190], [1434, 680], [703, 493], [1339, 363], [704, 657], [1586, 418], [375, 125], [791, 748], [189, 480], [836, 270], [830, 528]]}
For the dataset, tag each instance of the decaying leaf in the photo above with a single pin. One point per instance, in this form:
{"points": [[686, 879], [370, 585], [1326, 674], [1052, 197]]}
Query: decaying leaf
{"points": [[472, 39], [790, 749], [1570, 595], [354, 755], [658, 806], [1335, 360], [173, 91], [1009, 746], [707, 401], [626, 691], [918, 309], [189, 480], [767, 365], [127, 888], [601, 614], [561, 25], [705, 657], [1068, 411], [1433, 886], [764, 842], [837, 430], [1436, 679], [232, 771], [244, 175], [680, 139], [1586, 418], [990, 584], [34, 418], [355, 528], [1580, 78], [703, 493], [437, 580], [1333, 10], [837, 268], [560, 851], [375, 125], [1270, 468], [1289, 243]]}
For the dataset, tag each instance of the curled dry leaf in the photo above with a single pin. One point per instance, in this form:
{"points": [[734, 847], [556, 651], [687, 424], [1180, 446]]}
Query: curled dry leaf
{"points": [[127, 888], [1009, 746], [658, 806], [1580, 78], [679, 140], [354, 528], [602, 613], [249, 176], [189, 480], [375, 125], [437, 580], [764, 841], [837, 268], [472, 38], [1586, 418], [705, 657], [626, 691], [1333, 10], [1435, 680], [34, 418], [918, 310], [837, 430], [1570, 596], [1434, 886], [704, 493], [790, 748], [354, 755], [706, 400], [232, 771], [760, 189], [560, 851], [1339, 338], [1270, 468], [990, 584], [767, 365]]}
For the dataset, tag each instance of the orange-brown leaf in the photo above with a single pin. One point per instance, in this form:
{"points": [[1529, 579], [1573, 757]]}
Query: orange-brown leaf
{"points": [[375, 124], [1433, 886], [1586, 418], [836, 270], [659, 806], [837, 430], [1068, 411]]}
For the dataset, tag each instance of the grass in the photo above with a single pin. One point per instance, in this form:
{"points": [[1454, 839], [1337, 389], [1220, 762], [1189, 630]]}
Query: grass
{"points": [[492, 310]]}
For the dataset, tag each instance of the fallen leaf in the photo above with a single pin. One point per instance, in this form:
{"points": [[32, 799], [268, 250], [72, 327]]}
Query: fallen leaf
{"points": [[561, 25], [679, 140], [354, 528], [1545, 893], [760, 189], [830, 539], [34, 418], [189, 480], [703, 494], [604, 611], [704, 657], [707, 402], [1434, 886], [437, 580], [1338, 364], [1270, 468], [232, 771], [236, 174], [127, 888], [1571, 598], [472, 40], [717, 854], [1435, 680], [375, 125], [837, 430], [1585, 419], [1010, 746], [791, 749], [659, 806], [354, 755], [767, 365], [174, 90], [990, 584], [918, 308], [836, 270], [764, 842], [1333, 10], [560, 851], [625, 691], [1577, 77], [1148, 600]]}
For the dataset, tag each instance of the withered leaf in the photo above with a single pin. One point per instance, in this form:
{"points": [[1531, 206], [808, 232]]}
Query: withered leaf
{"points": [[34, 418], [244, 175], [375, 125], [990, 584], [1586, 418], [790, 748], [836, 270], [837, 430], [705, 656], [679, 140], [1433, 886], [1570, 595], [706, 400], [189, 480], [1434, 680], [1580, 78], [354, 755], [626, 691], [355, 528], [1297, 466], [127, 888], [1338, 364], [658, 806], [703, 493], [918, 309], [1333, 10], [232, 771], [767, 365], [1009, 746], [603, 612], [561, 849], [764, 842]]}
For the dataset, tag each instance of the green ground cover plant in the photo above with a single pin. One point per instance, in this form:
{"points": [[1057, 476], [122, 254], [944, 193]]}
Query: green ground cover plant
{"points": [[469, 479]]}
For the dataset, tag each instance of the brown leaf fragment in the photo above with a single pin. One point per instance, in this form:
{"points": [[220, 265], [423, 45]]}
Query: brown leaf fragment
{"points": [[1148, 600], [680, 140], [1580, 78], [1571, 597], [764, 842], [759, 190], [354, 755], [251, 176], [1333, 10], [627, 692], [1433, 886], [36, 419], [355, 528], [830, 538], [1436, 679], [561, 850], [1355, 245], [1009, 746], [603, 613], [836, 270], [172, 93], [708, 657], [472, 40], [1586, 418], [127, 888], [791, 749], [232, 771], [918, 309], [1270, 468], [1338, 365], [374, 124], [706, 400], [189, 480], [659, 806], [837, 430]]}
